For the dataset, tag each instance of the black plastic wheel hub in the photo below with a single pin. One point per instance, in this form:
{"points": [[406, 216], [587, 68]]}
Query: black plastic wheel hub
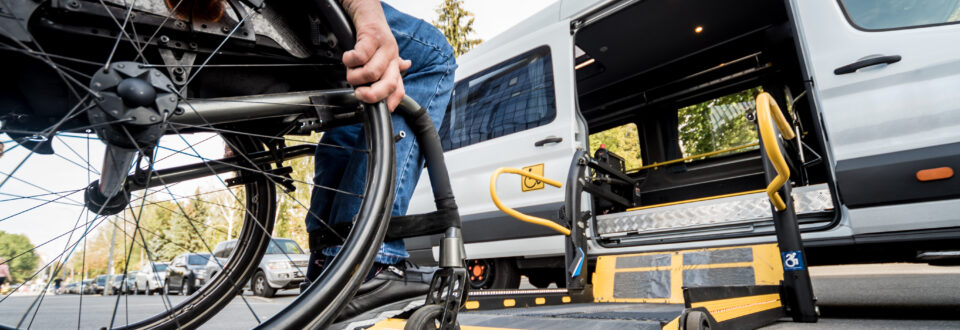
{"points": [[131, 105]]}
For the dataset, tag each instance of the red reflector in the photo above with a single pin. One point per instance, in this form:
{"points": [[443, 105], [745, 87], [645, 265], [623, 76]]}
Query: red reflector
{"points": [[934, 174]]}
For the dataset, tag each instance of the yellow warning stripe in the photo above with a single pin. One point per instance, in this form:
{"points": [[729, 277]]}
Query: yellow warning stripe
{"points": [[672, 325], [731, 308], [698, 199], [397, 324]]}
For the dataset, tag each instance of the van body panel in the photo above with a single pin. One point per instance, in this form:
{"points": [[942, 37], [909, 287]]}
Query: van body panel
{"points": [[905, 217], [910, 104], [470, 166]]}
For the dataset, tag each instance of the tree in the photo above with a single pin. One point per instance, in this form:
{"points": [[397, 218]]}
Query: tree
{"points": [[623, 141], [456, 24], [718, 124], [12, 245]]}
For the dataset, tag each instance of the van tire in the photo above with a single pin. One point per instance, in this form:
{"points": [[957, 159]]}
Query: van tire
{"points": [[499, 273], [260, 286]]}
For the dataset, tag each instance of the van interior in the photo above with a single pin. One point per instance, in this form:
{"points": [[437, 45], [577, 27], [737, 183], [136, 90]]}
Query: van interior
{"points": [[668, 91]]}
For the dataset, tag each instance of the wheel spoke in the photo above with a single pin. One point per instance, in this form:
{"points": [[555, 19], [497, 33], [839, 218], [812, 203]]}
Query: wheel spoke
{"points": [[48, 136], [184, 213], [282, 138]]}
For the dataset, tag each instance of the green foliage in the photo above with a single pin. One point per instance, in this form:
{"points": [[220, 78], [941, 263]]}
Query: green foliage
{"points": [[456, 24], [703, 128], [20, 267], [623, 141]]}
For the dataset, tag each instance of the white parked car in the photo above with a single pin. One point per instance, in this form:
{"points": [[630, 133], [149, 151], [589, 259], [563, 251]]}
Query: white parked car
{"points": [[870, 87], [150, 278], [284, 266]]}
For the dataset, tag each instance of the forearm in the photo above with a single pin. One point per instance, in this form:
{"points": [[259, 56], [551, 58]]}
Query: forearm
{"points": [[364, 11]]}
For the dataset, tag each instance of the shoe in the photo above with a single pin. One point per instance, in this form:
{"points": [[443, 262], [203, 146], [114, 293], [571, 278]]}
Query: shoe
{"points": [[391, 284]]}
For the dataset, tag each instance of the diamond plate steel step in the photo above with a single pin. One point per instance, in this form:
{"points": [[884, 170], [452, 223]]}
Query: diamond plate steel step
{"points": [[709, 213]]}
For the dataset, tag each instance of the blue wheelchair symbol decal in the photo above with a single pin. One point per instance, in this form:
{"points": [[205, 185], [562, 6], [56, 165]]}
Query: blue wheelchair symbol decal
{"points": [[792, 260]]}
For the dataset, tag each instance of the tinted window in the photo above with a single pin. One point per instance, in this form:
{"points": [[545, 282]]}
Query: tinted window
{"points": [[159, 267], [288, 246], [719, 124], [198, 259], [897, 14], [510, 97]]}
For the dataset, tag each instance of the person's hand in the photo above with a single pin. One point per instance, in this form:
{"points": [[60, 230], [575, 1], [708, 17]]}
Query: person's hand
{"points": [[374, 65]]}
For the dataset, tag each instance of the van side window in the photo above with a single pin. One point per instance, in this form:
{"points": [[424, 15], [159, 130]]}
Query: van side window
{"points": [[623, 140], [719, 124], [879, 15], [513, 96]]}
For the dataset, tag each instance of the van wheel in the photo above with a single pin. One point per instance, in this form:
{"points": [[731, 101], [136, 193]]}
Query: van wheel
{"points": [[493, 274], [261, 287]]}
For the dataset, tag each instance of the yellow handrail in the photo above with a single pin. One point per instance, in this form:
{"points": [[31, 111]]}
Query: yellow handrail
{"points": [[707, 154], [765, 119], [518, 215]]}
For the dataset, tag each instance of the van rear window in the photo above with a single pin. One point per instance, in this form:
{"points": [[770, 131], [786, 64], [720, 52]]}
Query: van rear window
{"points": [[718, 124], [512, 96], [879, 15]]}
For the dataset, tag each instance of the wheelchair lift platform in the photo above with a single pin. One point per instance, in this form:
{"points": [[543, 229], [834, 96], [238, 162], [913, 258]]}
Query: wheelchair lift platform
{"points": [[733, 287]]}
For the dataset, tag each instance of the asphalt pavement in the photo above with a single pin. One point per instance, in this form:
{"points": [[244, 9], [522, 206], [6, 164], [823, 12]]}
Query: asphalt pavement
{"points": [[890, 296]]}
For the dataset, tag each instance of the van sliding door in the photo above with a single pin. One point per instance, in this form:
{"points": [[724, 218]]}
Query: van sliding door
{"points": [[887, 77]]}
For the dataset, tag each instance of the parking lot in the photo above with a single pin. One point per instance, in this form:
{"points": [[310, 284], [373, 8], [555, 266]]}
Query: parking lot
{"points": [[884, 296]]}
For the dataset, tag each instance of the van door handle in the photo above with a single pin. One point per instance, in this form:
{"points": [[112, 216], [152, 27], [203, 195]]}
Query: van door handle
{"points": [[853, 67], [549, 139]]}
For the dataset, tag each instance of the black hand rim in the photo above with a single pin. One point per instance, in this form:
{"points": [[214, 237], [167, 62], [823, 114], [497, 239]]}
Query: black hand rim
{"points": [[326, 297]]}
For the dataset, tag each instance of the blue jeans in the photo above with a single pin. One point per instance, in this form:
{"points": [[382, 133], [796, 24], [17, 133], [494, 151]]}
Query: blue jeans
{"points": [[429, 82]]}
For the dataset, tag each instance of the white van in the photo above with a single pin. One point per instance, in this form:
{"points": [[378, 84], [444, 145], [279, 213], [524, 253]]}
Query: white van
{"points": [[872, 87]]}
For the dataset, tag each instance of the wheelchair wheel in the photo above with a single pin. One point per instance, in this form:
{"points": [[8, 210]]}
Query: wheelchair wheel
{"points": [[93, 159], [426, 318]]}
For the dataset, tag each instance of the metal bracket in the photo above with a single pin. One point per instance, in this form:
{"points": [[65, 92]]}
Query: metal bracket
{"points": [[178, 68]]}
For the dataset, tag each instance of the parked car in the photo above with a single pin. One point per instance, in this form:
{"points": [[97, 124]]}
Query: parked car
{"points": [[150, 278], [284, 266], [187, 273], [100, 284], [86, 286], [131, 281], [69, 288], [118, 283]]}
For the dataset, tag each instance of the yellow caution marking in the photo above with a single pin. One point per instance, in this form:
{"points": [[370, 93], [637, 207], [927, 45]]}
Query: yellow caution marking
{"points": [[672, 325], [398, 324], [766, 267], [565, 299], [540, 301], [731, 308], [472, 304], [698, 199], [530, 184], [509, 303]]}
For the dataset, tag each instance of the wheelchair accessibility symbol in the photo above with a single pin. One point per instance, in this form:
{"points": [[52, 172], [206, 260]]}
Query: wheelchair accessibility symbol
{"points": [[792, 260], [528, 184]]}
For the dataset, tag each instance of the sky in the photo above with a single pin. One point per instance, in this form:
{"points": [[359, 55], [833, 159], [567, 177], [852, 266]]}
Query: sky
{"points": [[492, 16], [44, 174]]}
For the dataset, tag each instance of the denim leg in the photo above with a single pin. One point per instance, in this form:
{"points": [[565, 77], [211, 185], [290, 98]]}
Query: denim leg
{"points": [[430, 82]]}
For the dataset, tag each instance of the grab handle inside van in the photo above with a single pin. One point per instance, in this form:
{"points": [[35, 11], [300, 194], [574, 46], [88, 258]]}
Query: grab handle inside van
{"points": [[769, 113], [520, 216]]}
